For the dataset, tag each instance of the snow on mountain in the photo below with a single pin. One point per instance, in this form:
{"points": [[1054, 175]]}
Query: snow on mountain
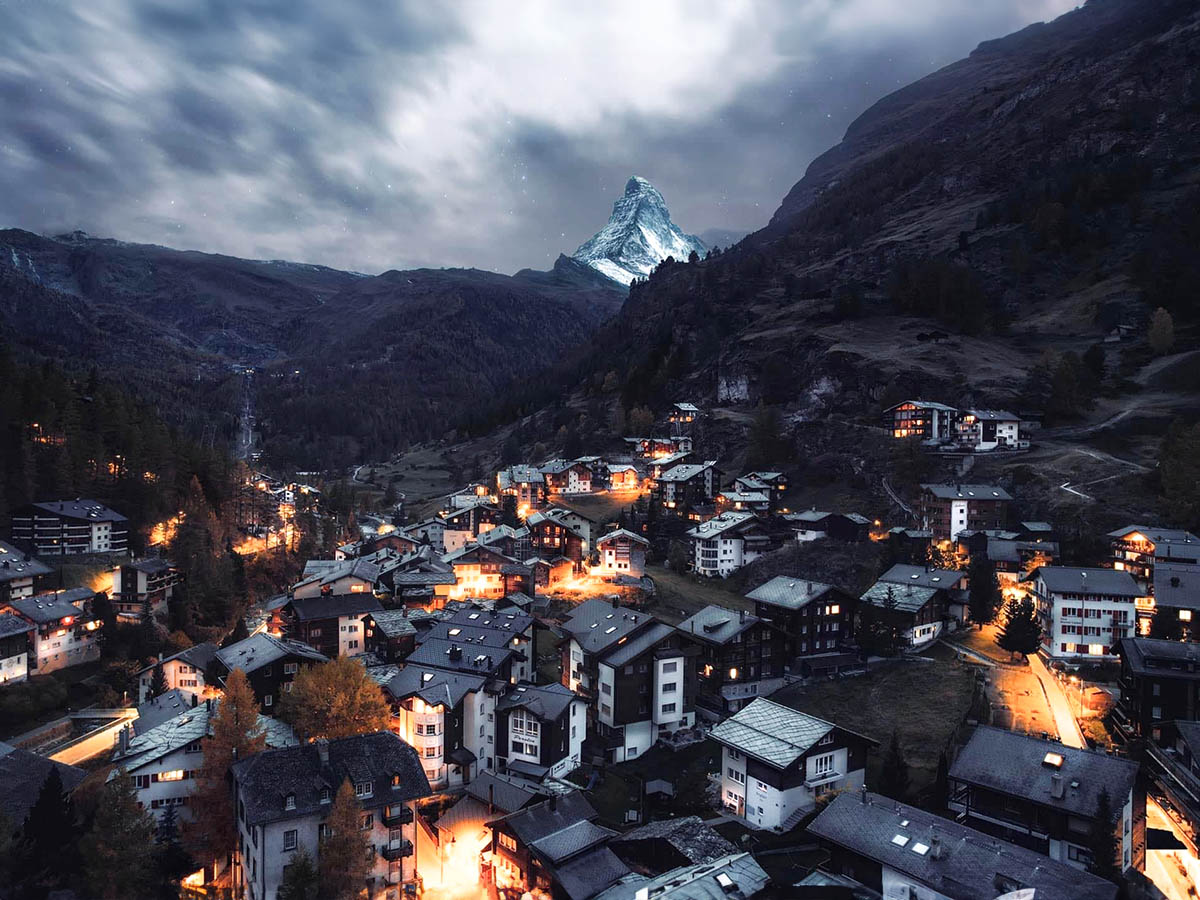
{"points": [[638, 236]]}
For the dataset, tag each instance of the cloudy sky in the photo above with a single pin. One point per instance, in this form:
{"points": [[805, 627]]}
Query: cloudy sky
{"points": [[376, 134]]}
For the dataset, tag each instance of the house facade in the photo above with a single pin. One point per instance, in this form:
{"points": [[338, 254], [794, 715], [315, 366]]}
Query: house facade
{"points": [[540, 730], [622, 553], [1084, 611], [20, 574], [1136, 549], [1043, 795], [989, 429], [776, 762], [185, 671], [14, 648], [143, 588], [65, 630], [270, 663], [69, 527], [726, 542], [332, 624], [284, 796], [741, 656], [950, 509], [686, 485], [815, 618], [922, 419], [1159, 683]]}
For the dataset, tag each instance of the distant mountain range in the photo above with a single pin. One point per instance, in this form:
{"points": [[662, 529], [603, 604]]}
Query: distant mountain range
{"points": [[639, 235]]}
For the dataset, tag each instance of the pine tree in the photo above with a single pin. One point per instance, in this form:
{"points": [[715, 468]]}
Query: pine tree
{"points": [[941, 784], [1021, 631], [1102, 840], [343, 853], [234, 733], [334, 700], [984, 596], [172, 861], [118, 852], [49, 825], [893, 777], [239, 633], [300, 878], [158, 681]]}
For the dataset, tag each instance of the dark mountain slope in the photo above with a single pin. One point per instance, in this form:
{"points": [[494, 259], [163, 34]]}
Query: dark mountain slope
{"points": [[1027, 198]]}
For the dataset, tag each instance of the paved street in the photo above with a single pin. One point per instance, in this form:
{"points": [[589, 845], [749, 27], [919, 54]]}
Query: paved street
{"points": [[1018, 702], [1060, 705], [1169, 869]]}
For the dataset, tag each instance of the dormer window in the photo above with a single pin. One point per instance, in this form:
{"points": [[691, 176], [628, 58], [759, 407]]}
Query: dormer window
{"points": [[326, 795], [289, 801], [363, 789], [395, 780]]}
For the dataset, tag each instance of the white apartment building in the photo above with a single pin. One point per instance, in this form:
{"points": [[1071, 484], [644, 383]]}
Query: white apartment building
{"points": [[1084, 611], [725, 543]]}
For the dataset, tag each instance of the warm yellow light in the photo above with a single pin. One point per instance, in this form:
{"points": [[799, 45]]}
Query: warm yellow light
{"points": [[733, 674], [172, 775]]}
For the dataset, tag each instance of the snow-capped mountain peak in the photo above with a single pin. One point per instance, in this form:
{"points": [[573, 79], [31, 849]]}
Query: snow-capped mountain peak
{"points": [[639, 235]]}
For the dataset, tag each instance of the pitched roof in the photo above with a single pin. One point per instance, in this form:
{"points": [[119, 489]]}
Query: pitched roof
{"points": [[967, 491], [1014, 764], [187, 726], [14, 564], [11, 625], [265, 779], [151, 566], [790, 592], [22, 775], [260, 650], [686, 471], [596, 624], [638, 643], [50, 607], [434, 686], [923, 404], [967, 865], [198, 655], [717, 625], [1076, 580], [745, 497], [695, 840], [993, 415], [547, 702], [1173, 659], [393, 623], [327, 571], [776, 734], [1157, 534], [158, 709], [93, 510], [505, 792], [732, 875], [622, 533], [331, 606], [441, 654], [1176, 584], [908, 598], [925, 577], [718, 525]]}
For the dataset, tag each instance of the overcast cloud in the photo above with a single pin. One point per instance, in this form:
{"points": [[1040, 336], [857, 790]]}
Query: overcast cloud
{"points": [[376, 134]]}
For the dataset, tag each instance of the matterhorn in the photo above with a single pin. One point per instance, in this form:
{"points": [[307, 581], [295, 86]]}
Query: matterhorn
{"points": [[639, 235]]}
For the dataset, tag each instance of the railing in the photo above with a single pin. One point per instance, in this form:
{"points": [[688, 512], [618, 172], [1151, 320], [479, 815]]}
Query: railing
{"points": [[401, 816], [401, 850]]}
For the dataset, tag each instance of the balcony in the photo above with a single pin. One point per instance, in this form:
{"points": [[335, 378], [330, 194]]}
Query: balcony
{"points": [[397, 851], [393, 818], [818, 780]]}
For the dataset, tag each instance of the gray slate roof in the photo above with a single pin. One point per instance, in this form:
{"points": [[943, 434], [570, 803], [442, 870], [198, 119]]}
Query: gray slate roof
{"points": [[50, 607], [158, 710], [506, 793], [547, 702], [92, 510], [776, 734], [745, 878], [198, 655], [934, 578], [970, 866], [789, 592], [1082, 580], [14, 565], [695, 841], [260, 650], [717, 625], [638, 644], [266, 778], [11, 625], [22, 775], [1161, 657], [967, 491], [1157, 534], [190, 725], [622, 533], [907, 598], [479, 660], [393, 623], [332, 606], [434, 686], [718, 525], [1012, 763], [597, 624]]}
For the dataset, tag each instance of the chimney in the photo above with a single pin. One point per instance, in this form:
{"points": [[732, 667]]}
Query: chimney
{"points": [[935, 847], [809, 587], [553, 802], [124, 740], [741, 615], [1056, 786], [323, 750], [615, 601]]}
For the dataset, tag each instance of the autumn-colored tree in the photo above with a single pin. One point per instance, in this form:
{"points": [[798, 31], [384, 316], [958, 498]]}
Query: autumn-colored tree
{"points": [[235, 734], [118, 853], [336, 699], [343, 849]]}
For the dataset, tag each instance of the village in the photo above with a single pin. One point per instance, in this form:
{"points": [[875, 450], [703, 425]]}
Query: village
{"points": [[552, 720]]}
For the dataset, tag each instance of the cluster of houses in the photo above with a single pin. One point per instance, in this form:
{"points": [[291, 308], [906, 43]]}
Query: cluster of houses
{"points": [[946, 428]]}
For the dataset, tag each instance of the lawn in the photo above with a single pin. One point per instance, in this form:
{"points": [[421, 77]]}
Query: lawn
{"points": [[983, 642], [604, 507], [924, 702], [44, 698], [679, 596]]}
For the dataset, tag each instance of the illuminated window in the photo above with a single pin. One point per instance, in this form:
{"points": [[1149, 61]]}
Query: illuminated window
{"points": [[507, 841], [173, 775], [1185, 615], [733, 674]]}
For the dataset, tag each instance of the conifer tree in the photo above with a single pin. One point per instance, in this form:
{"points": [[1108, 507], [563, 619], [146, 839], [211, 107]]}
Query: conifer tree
{"points": [[984, 593], [173, 862], [941, 783], [235, 734], [158, 681], [300, 878], [1021, 631], [118, 851], [343, 853], [336, 699], [893, 777], [49, 824], [1102, 839]]}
